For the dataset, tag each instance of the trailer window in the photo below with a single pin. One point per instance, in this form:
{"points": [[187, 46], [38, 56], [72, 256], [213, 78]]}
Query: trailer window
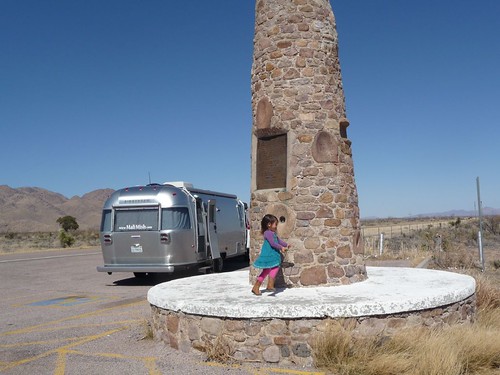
{"points": [[134, 220], [175, 218], [106, 221]]}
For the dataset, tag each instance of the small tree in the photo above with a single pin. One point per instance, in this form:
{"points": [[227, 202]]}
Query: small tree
{"points": [[67, 223]]}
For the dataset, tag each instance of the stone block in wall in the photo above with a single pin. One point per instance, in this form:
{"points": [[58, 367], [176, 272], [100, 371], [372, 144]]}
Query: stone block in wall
{"points": [[272, 354], [212, 326]]}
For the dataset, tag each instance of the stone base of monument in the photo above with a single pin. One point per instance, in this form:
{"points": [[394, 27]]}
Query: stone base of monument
{"points": [[193, 314]]}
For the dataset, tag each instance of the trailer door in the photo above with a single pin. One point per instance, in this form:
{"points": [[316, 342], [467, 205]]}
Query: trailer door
{"points": [[201, 225], [212, 230]]}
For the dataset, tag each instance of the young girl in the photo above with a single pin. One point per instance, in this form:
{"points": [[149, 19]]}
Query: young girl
{"points": [[270, 255]]}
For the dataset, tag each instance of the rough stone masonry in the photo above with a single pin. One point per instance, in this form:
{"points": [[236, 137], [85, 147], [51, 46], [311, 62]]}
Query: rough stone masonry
{"points": [[302, 168]]}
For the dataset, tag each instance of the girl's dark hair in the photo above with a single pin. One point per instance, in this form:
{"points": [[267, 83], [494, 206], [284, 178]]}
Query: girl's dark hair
{"points": [[266, 220]]}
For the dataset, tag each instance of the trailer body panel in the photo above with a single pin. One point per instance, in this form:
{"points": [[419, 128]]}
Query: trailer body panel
{"points": [[166, 228]]}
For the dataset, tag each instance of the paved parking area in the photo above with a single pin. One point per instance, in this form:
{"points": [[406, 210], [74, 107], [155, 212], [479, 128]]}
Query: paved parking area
{"points": [[59, 316]]}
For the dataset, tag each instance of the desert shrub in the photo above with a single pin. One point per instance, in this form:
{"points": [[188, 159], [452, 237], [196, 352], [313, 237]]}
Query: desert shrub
{"points": [[496, 264], [422, 242], [457, 258], [218, 349], [492, 224], [66, 239], [47, 240], [88, 237], [44, 240], [10, 235]]}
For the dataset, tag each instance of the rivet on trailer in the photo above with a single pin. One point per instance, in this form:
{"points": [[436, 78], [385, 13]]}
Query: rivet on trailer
{"points": [[170, 227]]}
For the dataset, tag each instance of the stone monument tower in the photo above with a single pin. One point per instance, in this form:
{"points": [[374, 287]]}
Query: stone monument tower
{"points": [[302, 169]]}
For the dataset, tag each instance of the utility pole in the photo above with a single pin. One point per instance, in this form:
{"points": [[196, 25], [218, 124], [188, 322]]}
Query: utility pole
{"points": [[480, 234]]}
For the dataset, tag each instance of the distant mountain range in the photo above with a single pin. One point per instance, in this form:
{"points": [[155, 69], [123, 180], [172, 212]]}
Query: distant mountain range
{"points": [[33, 209], [486, 211]]}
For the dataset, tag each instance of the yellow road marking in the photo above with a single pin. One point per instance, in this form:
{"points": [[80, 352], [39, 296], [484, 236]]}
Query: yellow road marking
{"points": [[60, 328], [53, 351], [149, 362], [60, 363], [84, 315], [266, 370], [32, 343], [107, 355], [63, 350], [293, 372]]}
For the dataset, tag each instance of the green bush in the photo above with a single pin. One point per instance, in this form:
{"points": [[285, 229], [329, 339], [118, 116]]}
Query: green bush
{"points": [[66, 239], [68, 223], [10, 236]]}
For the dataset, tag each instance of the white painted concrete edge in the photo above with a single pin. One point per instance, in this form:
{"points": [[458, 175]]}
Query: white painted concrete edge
{"points": [[386, 291]]}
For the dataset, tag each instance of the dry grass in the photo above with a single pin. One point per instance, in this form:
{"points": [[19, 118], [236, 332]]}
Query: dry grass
{"points": [[424, 234], [452, 246], [468, 349], [472, 349], [487, 292], [12, 242], [458, 258], [218, 349], [147, 329]]}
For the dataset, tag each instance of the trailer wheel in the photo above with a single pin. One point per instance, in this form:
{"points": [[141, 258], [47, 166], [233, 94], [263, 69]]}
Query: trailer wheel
{"points": [[218, 265]]}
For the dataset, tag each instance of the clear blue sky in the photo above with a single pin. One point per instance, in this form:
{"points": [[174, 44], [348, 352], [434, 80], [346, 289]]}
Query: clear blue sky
{"points": [[99, 93]]}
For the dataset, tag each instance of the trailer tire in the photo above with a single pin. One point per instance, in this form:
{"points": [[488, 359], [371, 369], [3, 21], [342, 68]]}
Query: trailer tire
{"points": [[218, 265]]}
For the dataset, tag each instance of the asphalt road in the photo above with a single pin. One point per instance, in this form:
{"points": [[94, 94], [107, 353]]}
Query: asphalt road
{"points": [[58, 315]]}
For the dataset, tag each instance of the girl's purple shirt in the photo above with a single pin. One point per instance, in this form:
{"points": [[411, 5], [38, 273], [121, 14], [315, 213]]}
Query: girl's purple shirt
{"points": [[269, 236]]}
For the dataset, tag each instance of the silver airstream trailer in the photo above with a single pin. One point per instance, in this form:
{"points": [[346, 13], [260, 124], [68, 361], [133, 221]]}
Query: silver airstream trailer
{"points": [[164, 228]]}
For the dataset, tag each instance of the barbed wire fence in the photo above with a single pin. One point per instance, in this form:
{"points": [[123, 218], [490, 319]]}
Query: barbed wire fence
{"points": [[394, 238]]}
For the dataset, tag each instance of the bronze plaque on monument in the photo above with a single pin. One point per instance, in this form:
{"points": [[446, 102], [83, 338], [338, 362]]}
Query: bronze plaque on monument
{"points": [[271, 162]]}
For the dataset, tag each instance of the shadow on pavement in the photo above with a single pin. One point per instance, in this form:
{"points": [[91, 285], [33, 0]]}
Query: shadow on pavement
{"points": [[153, 279]]}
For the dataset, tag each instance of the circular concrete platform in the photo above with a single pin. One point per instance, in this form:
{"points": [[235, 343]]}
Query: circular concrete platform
{"points": [[386, 291], [219, 311]]}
